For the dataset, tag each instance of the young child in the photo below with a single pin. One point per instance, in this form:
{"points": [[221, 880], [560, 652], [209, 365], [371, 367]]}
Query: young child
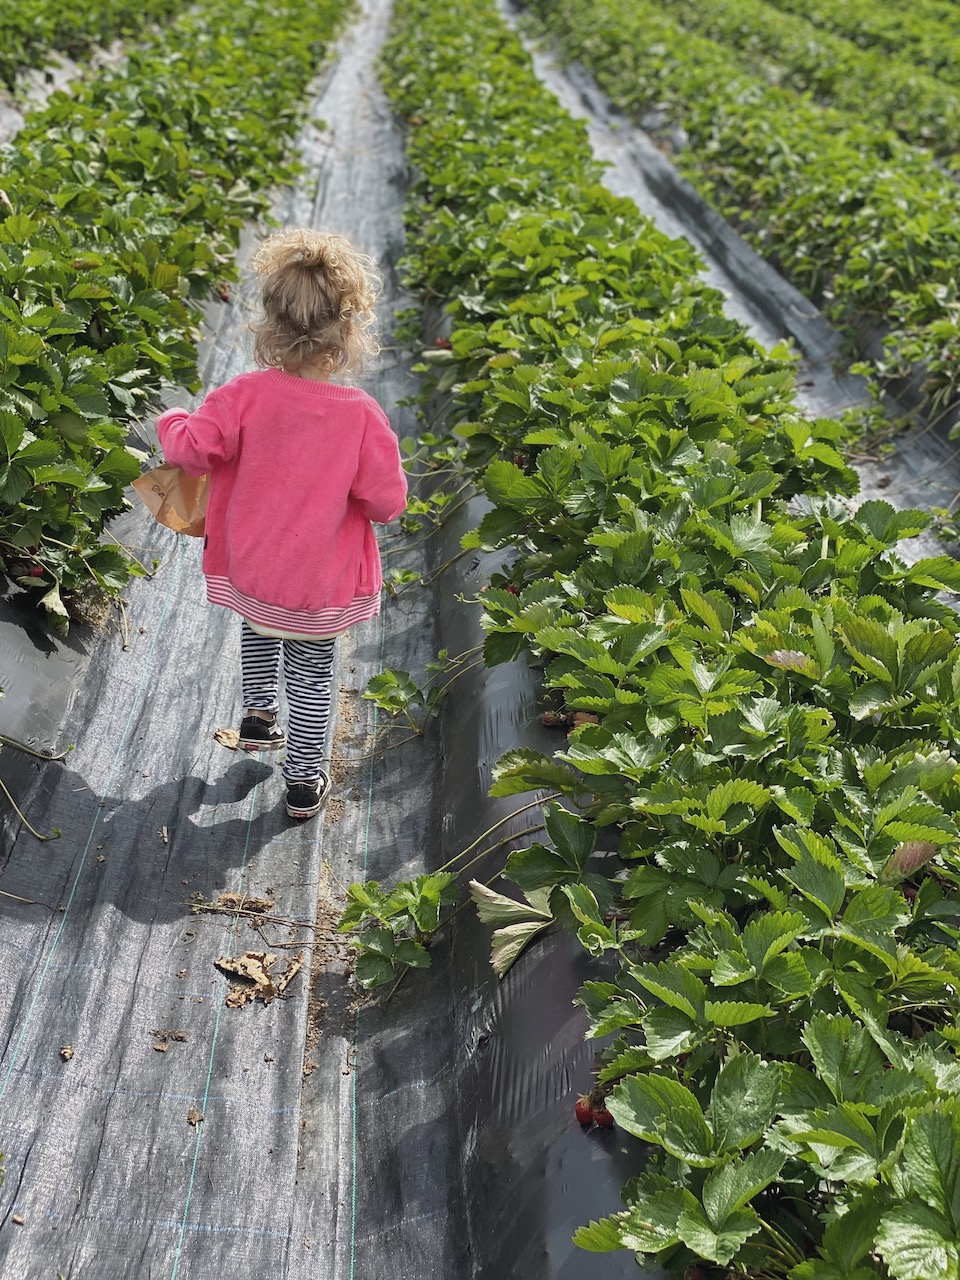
{"points": [[299, 466]]}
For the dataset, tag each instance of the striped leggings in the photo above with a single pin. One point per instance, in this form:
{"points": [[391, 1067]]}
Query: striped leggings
{"points": [[308, 675]]}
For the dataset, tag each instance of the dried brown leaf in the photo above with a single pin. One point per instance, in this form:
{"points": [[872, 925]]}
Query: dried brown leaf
{"points": [[252, 979], [290, 972]]}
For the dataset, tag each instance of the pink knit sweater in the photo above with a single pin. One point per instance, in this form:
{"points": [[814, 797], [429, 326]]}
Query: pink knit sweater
{"points": [[298, 470]]}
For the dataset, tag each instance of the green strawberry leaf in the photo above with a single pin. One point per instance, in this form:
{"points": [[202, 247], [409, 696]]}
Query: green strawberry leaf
{"points": [[669, 1033], [743, 1101], [931, 1158], [917, 1243], [718, 1244], [845, 1056], [663, 1111], [734, 1184]]}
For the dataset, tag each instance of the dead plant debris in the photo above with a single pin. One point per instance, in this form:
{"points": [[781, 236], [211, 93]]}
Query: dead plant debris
{"points": [[228, 903], [66, 1052], [229, 738], [240, 902], [163, 1039], [252, 977], [195, 1117]]}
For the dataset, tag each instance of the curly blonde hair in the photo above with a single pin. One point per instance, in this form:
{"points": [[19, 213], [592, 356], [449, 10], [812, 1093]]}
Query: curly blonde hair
{"points": [[318, 296]]}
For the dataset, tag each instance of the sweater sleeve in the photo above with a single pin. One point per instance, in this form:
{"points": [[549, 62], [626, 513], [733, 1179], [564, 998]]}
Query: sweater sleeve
{"points": [[380, 485], [199, 440]]}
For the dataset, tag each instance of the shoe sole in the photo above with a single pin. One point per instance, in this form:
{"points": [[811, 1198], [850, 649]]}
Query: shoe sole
{"points": [[304, 813], [245, 744]]}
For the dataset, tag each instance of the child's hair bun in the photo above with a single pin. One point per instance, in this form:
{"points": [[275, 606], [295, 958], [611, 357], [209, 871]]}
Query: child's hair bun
{"points": [[309, 249], [318, 298]]}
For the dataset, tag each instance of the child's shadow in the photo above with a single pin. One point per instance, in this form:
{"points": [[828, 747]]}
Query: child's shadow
{"points": [[150, 855]]}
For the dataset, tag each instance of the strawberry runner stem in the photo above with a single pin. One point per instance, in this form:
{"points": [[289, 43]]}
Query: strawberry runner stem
{"points": [[55, 833], [534, 804]]}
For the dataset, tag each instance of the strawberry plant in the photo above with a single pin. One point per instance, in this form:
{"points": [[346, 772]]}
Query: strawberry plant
{"points": [[789, 50], [772, 686], [394, 926], [926, 32], [397, 693], [859, 220], [34, 28]]}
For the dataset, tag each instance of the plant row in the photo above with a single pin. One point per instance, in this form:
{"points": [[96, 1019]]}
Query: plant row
{"points": [[925, 31], [765, 687], [862, 222], [124, 204], [33, 29], [789, 50]]}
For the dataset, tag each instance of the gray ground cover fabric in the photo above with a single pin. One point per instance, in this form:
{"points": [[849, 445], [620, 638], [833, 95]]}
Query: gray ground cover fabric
{"points": [[428, 1135]]}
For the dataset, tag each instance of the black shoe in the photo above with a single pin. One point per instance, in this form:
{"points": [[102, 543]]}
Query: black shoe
{"points": [[261, 735], [304, 799]]}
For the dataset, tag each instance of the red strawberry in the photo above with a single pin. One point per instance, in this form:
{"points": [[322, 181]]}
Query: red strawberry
{"points": [[511, 588], [444, 344], [583, 1110], [603, 1118], [35, 571]]}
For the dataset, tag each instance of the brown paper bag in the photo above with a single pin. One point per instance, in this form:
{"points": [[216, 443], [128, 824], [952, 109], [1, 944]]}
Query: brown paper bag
{"points": [[175, 499]]}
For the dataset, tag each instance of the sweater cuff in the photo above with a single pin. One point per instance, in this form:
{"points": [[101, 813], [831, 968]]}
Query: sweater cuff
{"points": [[169, 415]]}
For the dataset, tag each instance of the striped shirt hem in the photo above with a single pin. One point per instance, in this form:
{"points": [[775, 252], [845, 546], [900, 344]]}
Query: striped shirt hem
{"points": [[322, 622]]}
